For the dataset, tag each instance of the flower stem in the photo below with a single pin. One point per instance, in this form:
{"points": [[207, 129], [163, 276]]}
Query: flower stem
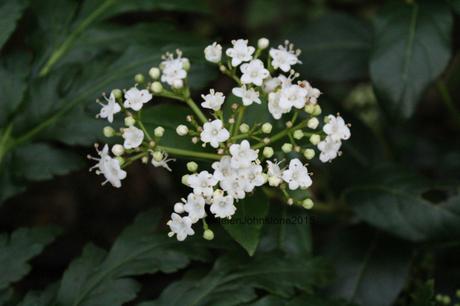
{"points": [[4, 142], [188, 153], [238, 120], [196, 109], [281, 134]]}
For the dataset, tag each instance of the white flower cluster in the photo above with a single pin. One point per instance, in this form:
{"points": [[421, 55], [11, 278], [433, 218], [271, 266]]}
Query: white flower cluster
{"points": [[242, 153]]}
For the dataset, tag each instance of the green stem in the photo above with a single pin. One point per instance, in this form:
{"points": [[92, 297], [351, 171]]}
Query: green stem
{"points": [[238, 120], [67, 44], [188, 153], [281, 134], [447, 99], [196, 110], [4, 141]]}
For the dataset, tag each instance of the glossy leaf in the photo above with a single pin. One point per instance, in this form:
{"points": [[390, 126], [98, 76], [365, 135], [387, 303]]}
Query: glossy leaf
{"points": [[10, 12]]}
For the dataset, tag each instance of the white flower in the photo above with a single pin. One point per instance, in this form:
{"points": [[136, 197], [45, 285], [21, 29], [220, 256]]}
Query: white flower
{"points": [[135, 98], [251, 177], [248, 96], [313, 93], [173, 69], [109, 167], [240, 52], [254, 72], [336, 128], [297, 175], [195, 207], [109, 109], [163, 162], [234, 187], [329, 149], [133, 137], [213, 100], [242, 155], [270, 84], [181, 226], [214, 133], [223, 168], [284, 57], [202, 183], [274, 173], [222, 206], [213, 53], [274, 106], [293, 95]]}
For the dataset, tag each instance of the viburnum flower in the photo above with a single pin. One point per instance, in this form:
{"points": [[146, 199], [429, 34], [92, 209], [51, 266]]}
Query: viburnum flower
{"points": [[254, 72], [296, 175], [110, 109], [163, 162], [109, 167], [293, 96], [240, 52], [247, 95], [284, 57], [173, 70], [242, 155], [135, 98], [213, 100], [329, 149], [180, 226], [275, 175], [213, 53], [270, 84], [274, 107], [252, 177], [234, 186], [336, 128], [202, 183], [133, 137], [222, 206], [194, 206], [214, 133], [223, 168]]}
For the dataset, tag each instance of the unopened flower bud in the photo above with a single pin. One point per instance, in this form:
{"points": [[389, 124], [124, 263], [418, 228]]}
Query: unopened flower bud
{"points": [[120, 160], [222, 68], [266, 140], [178, 84], [267, 128], [108, 131], [129, 121], [184, 179], [290, 201], [156, 87], [244, 128], [309, 153], [315, 139], [118, 150], [286, 148], [307, 204], [274, 181], [145, 159], [179, 208], [268, 152], [289, 124], [117, 93], [297, 149], [159, 131], [186, 64], [182, 130], [231, 120], [313, 123], [192, 166], [298, 134], [195, 140], [310, 108], [154, 73], [139, 78], [317, 110], [157, 156], [263, 43], [208, 234]]}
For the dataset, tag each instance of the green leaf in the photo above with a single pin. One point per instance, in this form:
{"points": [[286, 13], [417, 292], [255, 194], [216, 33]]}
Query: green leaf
{"points": [[18, 248], [10, 12], [424, 295], [371, 269], [100, 278], [234, 278], [44, 298], [246, 224], [336, 47], [392, 200], [412, 48]]}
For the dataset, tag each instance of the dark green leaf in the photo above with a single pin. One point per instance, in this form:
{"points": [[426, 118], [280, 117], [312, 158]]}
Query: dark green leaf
{"points": [[371, 269], [10, 12], [335, 47], [18, 248], [412, 48], [44, 298], [246, 224], [424, 295]]}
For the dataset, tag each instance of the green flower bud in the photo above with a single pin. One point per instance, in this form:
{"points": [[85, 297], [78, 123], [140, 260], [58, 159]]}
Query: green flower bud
{"points": [[186, 64], [313, 123], [121, 160], [309, 153], [290, 201], [267, 128], [154, 73], [310, 108], [159, 131], [192, 166], [184, 179], [315, 139], [298, 134], [156, 87], [208, 234], [263, 43], [108, 131], [268, 152], [129, 121], [139, 78], [118, 150], [446, 300], [307, 204], [286, 148], [244, 128], [182, 130], [157, 156], [117, 93], [317, 110]]}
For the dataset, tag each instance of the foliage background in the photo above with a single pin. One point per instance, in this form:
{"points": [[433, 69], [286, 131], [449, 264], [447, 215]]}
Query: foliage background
{"points": [[387, 225]]}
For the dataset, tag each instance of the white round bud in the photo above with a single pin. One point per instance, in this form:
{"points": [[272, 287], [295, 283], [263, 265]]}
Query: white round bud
{"points": [[157, 156], [156, 87], [307, 204], [267, 128], [268, 152], [286, 148], [317, 110], [108, 131], [184, 179], [179, 208], [182, 130], [178, 84], [315, 139], [139, 78], [192, 166], [117, 93], [159, 131], [145, 159], [310, 108], [309, 154], [186, 64], [313, 123], [290, 201], [118, 150], [154, 73], [244, 128], [129, 121], [289, 124], [263, 43], [298, 134]]}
